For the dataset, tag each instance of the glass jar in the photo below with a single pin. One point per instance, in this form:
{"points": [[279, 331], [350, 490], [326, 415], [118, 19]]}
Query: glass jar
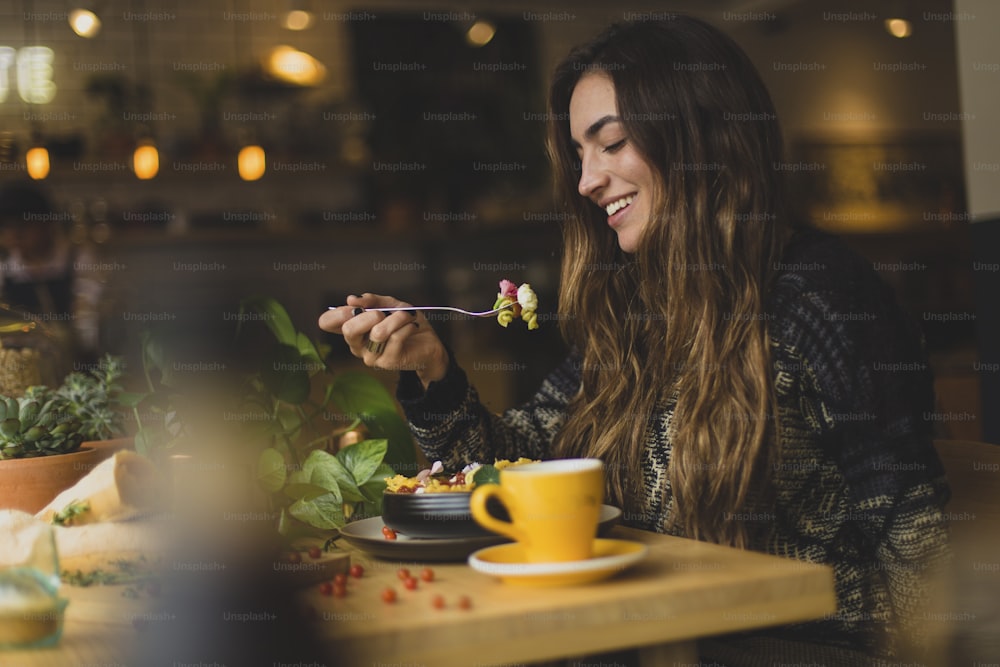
{"points": [[31, 353]]}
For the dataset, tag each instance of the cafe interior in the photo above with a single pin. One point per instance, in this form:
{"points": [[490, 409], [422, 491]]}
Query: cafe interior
{"points": [[215, 151], [197, 154]]}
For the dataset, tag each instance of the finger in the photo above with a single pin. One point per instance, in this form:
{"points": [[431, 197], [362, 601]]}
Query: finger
{"points": [[389, 325], [357, 330], [369, 300], [333, 320]]}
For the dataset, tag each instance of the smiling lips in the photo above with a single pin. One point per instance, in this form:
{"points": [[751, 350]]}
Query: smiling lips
{"points": [[618, 204]]}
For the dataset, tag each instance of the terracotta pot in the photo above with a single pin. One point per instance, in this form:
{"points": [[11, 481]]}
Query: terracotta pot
{"points": [[30, 484], [107, 448]]}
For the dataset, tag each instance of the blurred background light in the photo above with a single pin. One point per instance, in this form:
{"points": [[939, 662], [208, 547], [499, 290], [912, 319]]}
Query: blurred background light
{"points": [[480, 33], [289, 65], [251, 162], [146, 160], [84, 23], [899, 27], [37, 161]]}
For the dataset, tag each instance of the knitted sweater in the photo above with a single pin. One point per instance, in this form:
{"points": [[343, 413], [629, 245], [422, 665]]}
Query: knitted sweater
{"points": [[859, 485]]}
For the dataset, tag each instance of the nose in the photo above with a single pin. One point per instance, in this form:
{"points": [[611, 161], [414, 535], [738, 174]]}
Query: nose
{"points": [[592, 177]]}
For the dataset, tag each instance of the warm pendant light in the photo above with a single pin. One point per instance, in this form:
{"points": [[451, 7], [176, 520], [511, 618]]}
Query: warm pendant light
{"points": [[84, 23], [37, 160], [251, 162], [146, 160]]}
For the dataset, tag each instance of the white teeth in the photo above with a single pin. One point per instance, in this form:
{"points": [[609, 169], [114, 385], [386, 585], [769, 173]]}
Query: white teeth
{"points": [[616, 206]]}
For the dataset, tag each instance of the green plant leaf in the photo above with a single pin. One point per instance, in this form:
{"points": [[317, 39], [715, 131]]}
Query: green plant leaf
{"points": [[307, 491], [372, 489], [275, 316], [144, 442], [289, 419], [362, 459], [324, 511], [357, 393], [308, 350], [271, 470], [293, 529], [326, 470], [486, 474], [130, 399], [401, 453], [284, 376]]}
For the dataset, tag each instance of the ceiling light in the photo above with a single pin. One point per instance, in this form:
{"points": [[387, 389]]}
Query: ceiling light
{"points": [[899, 27], [290, 65], [84, 23], [480, 33], [146, 160], [298, 19], [37, 161], [251, 162]]}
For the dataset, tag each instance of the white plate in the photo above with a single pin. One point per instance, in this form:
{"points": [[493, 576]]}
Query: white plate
{"points": [[508, 563]]}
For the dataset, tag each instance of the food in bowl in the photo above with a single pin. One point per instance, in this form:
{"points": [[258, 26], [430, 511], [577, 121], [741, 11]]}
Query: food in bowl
{"points": [[433, 506], [426, 482]]}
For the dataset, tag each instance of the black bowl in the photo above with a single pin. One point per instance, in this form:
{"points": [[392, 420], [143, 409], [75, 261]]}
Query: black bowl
{"points": [[436, 515]]}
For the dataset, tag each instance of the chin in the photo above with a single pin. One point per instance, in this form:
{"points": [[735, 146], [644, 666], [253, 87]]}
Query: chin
{"points": [[627, 243]]}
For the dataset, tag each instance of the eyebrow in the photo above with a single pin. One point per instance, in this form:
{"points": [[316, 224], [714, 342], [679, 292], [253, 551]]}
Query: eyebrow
{"points": [[596, 127]]}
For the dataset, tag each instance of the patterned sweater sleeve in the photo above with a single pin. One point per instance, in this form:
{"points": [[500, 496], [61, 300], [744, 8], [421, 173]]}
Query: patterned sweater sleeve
{"points": [[450, 424], [866, 393]]}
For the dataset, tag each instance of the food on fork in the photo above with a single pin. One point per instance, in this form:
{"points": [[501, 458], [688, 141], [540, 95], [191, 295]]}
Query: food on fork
{"points": [[524, 302]]}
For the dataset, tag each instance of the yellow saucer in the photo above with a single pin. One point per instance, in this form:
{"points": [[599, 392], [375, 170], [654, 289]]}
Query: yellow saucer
{"points": [[507, 562]]}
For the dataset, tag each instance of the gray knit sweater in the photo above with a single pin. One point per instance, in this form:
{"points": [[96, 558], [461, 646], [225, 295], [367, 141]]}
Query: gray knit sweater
{"points": [[859, 485]]}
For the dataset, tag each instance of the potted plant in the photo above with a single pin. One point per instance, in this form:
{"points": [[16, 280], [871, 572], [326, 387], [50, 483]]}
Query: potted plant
{"points": [[42, 433], [94, 398], [287, 412]]}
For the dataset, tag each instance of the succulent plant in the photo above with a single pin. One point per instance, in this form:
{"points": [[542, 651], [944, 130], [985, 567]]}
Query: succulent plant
{"points": [[55, 421], [31, 428]]}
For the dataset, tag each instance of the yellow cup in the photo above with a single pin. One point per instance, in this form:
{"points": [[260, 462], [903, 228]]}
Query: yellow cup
{"points": [[554, 507]]}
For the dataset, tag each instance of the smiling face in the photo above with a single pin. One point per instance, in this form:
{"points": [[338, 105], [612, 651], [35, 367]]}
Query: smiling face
{"points": [[613, 175]]}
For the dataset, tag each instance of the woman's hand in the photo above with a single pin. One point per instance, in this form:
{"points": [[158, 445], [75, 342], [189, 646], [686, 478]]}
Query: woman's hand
{"points": [[403, 340]]}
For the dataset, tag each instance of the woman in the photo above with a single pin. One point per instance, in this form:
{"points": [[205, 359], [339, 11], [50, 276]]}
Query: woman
{"points": [[758, 363]]}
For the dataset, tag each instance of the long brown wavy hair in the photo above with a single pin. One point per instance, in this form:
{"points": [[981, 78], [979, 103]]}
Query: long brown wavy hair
{"points": [[682, 320]]}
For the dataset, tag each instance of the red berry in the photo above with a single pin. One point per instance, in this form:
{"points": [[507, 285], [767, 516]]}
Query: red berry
{"points": [[403, 573], [389, 595], [427, 574], [326, 588], [357, 571], [315, 552], [388, 532], [340, 578], [438, 601], [294, 557], [339, 590], [410, 584], [465, 602]]}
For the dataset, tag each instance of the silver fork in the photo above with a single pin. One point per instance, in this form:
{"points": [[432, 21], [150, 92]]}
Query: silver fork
{"points": [[471, 313]]}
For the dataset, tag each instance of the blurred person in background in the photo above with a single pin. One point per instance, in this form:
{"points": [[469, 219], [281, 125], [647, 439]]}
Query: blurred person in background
{"points": [[43, 273]]}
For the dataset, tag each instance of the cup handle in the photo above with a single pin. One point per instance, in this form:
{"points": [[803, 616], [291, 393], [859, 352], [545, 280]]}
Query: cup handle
{"points": [[477, 505]]}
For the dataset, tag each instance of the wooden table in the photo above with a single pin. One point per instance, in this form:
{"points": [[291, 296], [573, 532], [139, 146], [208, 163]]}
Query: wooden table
{"points": [[682, 591]]}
